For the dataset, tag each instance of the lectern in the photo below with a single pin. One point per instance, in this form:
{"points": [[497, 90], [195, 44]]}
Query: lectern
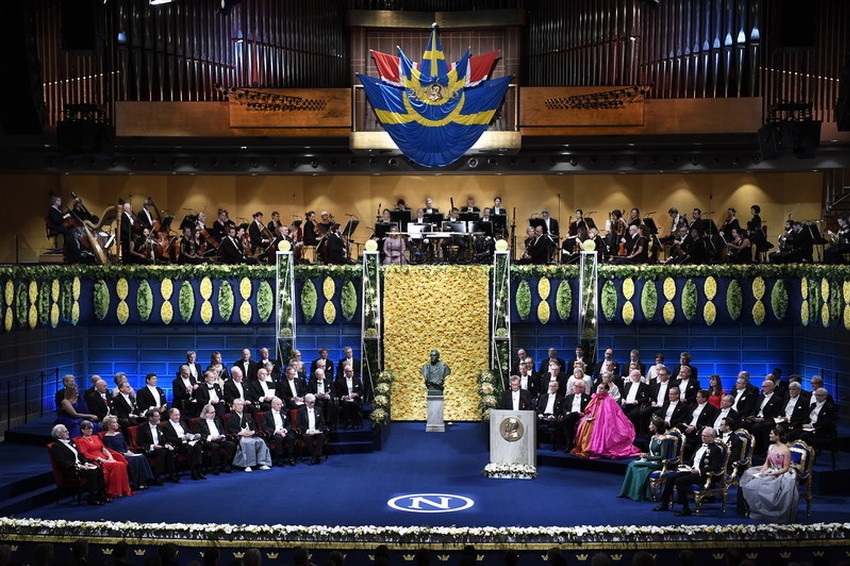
{"points": [[513, 437]]}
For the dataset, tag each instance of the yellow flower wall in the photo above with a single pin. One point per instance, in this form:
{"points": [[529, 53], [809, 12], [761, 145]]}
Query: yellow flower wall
{"points": [[442, 307]]}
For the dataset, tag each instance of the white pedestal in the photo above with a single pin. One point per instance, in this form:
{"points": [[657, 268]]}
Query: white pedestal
{"points": [[513, 437], [435, 414]]}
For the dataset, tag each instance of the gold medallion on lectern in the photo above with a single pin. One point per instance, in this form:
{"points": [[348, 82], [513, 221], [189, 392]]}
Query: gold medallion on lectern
{"points": [[511, 429]]}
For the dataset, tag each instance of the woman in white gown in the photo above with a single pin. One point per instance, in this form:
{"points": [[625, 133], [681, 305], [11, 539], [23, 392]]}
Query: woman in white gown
{"points": [[771, 490]]}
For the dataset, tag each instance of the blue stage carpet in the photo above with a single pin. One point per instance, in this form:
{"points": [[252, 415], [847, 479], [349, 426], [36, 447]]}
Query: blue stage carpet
{"points": [[354, 490]]}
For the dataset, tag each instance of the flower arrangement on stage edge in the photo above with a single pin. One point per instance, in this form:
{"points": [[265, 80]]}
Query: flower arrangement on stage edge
{"points": [[489, 390], [381, 404], [272, 535], [510, 471]]}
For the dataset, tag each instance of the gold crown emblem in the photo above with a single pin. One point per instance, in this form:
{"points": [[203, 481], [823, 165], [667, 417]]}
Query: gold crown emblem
{"points": [[581, 557], [817, 553], [407, 557], [616, 557], [443, 557], [479, 557], [752, 555], [272, 555], [371, 557], [139, 551], [717, 555], [238, 554], [785, 555], [106, 551], [14, 547]]}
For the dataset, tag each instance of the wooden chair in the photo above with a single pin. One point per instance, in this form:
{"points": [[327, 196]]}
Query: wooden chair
{"points": [[802, 460], [65, 484], [675, 448], [716, 481]]}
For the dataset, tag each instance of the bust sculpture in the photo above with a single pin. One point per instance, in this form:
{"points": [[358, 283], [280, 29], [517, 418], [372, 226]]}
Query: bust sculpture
{"points": [[435, 373]]}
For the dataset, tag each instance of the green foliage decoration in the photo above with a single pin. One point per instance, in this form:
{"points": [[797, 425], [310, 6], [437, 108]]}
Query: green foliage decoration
{"points": [[265, 301], [564, 299], [689, 299], [609, 300], [144, 299], [779, 299], [734, 299], [186, 301], [309, 300], [100, 299], [649, 300], [348, 300], [225, 300], [523, 299]]}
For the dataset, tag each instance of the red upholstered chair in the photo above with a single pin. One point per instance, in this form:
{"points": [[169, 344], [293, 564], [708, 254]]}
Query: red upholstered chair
{"points": [[64, 484]]}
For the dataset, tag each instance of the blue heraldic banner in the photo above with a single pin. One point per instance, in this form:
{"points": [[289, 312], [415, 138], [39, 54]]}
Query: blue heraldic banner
{"points": [[434, 111]]}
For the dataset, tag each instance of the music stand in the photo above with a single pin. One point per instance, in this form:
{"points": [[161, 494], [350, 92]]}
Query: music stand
{"points": [[434, 218], [486, 228], [650, 225], [382, 229], [295, 224], [535, 222], [350, 227], [455, 226], [500, 224], [470, 216], [401, 217]]}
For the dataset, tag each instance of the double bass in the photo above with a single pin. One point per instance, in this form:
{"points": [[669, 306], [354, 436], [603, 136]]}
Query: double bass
{"points": [[167, 246]]}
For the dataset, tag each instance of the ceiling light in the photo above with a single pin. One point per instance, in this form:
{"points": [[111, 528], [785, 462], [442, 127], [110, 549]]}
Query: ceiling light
{"points": [[159, 2]]}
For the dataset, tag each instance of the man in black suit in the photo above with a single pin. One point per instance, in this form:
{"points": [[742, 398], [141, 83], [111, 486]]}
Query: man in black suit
{"points": [[673, 411], [687, 384], [744, 398], [658, 393], [176, 434], [124, 406], [334, 247], [697, 222], [184, 388], [613, 366], [247, 365], [521, 354], [236, 388], [578, 359], [326, 396], [265, 360], [329, 365], [685, 360], [708, 458], [635, 396], [515, 399], [548, 411], [255, 232], [210, 393], [312, 427], [74, 465], [264, 389], [98, 400], [230, 248], [293, 389], [767, 408], [572, 410], [725, 412], [823, 417], [634, 359], [550, 225], [795, 407], [701, 415], [552, 357], [212, 431], [150, 439], [733, 441], [150, 396], [281, 435], [349, 390], [126, 234], [349, 359], [529, 381], [195, 369]]}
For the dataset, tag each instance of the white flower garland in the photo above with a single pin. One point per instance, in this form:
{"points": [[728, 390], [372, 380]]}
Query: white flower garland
{"points": [[421, 535]]}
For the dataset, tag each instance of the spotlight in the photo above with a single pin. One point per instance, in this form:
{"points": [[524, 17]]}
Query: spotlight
{"points": [[473, 162]]}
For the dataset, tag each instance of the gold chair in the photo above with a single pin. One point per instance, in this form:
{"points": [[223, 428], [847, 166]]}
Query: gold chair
{"points": [[802, 460], [740, 462], [716, 481], [675, 448]]}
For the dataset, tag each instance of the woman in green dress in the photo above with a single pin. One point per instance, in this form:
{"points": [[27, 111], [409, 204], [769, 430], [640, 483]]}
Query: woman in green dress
{"points": [[636, 482]]}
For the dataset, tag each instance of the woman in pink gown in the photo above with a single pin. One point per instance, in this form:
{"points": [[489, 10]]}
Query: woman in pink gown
{"points": [[604, 431], [114, 464]]}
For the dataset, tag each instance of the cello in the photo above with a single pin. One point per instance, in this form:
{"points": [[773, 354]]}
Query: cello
{"points": [[165, 247]]}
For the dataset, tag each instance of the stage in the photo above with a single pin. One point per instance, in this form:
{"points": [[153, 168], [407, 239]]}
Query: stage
{"points": [[574, 508]]}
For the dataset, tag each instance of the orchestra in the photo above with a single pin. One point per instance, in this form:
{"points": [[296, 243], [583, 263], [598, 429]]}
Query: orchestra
{"points": [[466, 234]]}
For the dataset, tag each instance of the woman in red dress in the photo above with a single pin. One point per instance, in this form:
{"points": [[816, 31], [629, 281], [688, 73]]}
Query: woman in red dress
{"points": [[114, 464], [715, 391]]}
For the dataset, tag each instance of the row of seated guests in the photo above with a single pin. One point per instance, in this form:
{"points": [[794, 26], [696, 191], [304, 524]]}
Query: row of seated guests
{"points": [[562, 399], [241, 440]]}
